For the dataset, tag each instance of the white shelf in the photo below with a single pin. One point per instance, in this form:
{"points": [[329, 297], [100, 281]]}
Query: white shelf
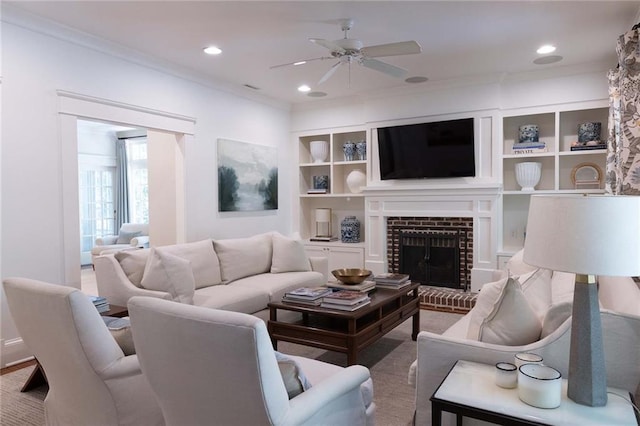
{"points": [[558, 129], [338, 198]]}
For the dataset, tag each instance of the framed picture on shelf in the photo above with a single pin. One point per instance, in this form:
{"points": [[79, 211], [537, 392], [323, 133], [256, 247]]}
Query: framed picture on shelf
{"points": [[586, 176]]}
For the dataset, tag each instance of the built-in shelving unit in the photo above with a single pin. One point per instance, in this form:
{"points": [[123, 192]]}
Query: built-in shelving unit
{"points": [[558, 128], [338, 198]]}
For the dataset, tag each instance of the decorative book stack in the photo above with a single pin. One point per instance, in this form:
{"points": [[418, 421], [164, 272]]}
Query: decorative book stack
{"points": [[100, 303], [311, 296], [392, 280], [528, 148], [364, 287], [345, 300]]}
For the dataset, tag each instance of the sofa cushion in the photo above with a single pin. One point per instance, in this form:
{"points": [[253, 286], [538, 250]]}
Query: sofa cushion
{"points": [[276, 285], [555, 316], [516, 265], [169, 273], [231, 298], [293, 377], [132, 263], [243, 257], [620, 294], [204, 261], [125, 237], [536, 286], [120, 329], [562, 286], [502, 315], [288, 255]]}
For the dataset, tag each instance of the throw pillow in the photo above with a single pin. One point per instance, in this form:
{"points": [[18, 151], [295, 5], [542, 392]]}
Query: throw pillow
{"points": [[516, 265], [243, 257], [502, 315], [132, 263], [125, 237], [171, 274], [620, 294], [554, 318], [294, 379], [204, 261], [536, 286], [288, 255], [120, 329]]}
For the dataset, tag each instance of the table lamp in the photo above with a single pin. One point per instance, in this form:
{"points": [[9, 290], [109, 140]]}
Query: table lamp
{"points": [[587, 235], [323, 222]]}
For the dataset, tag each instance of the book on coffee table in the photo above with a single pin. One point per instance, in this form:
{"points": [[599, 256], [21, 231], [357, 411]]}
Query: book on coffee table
{"points": [[308, 293], [391, 278], [348, 308], [345, 297], [394, 286], [364, 287]]}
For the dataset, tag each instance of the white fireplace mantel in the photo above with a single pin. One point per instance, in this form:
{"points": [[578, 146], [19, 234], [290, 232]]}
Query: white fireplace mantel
{"points": [[479, 202]]}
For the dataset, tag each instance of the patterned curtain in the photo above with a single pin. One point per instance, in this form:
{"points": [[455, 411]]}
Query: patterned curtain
{"points": [[623, 152]]}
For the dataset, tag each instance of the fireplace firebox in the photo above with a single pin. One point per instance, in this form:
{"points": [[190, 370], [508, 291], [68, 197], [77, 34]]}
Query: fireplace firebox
{"points": [[433, 251]]}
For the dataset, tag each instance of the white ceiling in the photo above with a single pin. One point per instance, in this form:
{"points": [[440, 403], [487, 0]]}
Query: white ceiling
{"points": [[460, 40]]}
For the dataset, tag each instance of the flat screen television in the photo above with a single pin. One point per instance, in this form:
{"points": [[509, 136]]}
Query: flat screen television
{"points": [[442, 149]]}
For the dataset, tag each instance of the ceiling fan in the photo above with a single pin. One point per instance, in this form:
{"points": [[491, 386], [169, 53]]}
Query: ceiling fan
{"points": [[348, 50]]}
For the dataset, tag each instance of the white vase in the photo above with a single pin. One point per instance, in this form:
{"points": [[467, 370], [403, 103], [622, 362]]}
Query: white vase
{"points": [[528, 175], [356, 180], [319, 150]]}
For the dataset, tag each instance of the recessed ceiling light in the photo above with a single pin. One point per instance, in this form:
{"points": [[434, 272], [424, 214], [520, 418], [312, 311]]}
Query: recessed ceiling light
{"points": [[212, 50], [545, 60], [304, 88], [547, 48], [316, 94], [416, 79]]}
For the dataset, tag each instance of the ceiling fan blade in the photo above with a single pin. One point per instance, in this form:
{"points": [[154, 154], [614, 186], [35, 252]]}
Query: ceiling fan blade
{"points": [[329, 73], [383, 67], [392, 49], [302, 62], [327, 44]]}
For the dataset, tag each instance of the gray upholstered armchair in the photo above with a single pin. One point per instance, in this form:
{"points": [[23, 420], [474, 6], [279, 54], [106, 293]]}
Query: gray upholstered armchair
{"points": [[223, 370], [91, 381]]}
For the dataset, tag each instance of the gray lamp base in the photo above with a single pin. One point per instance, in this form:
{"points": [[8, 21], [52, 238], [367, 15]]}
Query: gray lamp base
{"points": [[587, 383]]}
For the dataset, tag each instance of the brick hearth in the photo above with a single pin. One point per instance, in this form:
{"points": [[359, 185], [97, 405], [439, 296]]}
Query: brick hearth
{"points": [[446, 299]]}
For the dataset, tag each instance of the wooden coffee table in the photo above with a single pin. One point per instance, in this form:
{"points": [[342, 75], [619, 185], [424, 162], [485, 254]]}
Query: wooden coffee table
{"points": [[347, 332]]}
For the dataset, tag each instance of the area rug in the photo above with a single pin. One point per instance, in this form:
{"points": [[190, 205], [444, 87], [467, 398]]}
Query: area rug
{"points": [[388, 360]]}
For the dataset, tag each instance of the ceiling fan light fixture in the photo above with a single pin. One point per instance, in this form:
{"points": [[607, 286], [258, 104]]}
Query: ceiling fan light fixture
{"points": [[416, 79], [547, 48], [304, 88], [212, 50]]}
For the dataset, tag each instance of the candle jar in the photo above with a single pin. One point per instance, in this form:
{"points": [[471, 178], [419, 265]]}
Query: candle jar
{"points": [[506, 375], [539, 386], [527, 358]]}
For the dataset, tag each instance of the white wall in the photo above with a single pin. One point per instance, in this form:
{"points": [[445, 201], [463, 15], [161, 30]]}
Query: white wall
{"points": [[34, 68]]}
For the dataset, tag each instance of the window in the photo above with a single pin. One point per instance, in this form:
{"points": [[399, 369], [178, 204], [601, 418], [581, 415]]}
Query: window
{"points": [[96, 204], [138, 180]]}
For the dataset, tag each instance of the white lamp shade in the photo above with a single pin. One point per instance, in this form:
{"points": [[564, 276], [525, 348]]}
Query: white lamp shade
{"points": [[323, 215], [589, 235]]}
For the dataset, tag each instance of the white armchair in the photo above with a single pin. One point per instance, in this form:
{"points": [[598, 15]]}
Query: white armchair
{"points": [[91, 381], [130, 236], [223, 369]]}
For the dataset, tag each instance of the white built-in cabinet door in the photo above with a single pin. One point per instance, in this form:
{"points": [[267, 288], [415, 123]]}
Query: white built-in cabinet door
{"points": [[339, 256]]}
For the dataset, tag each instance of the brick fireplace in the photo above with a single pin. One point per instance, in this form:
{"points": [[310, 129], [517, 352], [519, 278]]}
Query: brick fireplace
{"points": [[467, 212], [435, 251]]}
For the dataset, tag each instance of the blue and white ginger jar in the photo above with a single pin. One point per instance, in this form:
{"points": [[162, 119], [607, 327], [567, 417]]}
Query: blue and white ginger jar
{"points": [[350, 230]]}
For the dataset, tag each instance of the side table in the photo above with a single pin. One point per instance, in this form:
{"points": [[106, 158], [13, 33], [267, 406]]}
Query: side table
{"points": [[469, 390], [37, 376]]}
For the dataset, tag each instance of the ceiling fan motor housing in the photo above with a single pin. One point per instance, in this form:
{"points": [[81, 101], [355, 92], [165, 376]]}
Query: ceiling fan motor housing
{"points": [[350, 45]]}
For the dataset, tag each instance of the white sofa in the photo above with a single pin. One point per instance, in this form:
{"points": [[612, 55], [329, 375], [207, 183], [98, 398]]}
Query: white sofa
{"points": [[130, 236], [241, 275], [531, 314]]}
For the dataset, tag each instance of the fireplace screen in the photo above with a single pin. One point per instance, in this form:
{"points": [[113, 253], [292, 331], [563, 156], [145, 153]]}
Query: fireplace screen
{"points": [[431, 259]]}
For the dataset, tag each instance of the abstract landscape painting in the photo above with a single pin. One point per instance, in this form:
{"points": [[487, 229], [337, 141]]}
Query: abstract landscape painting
{"points": [[247, 176]]}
